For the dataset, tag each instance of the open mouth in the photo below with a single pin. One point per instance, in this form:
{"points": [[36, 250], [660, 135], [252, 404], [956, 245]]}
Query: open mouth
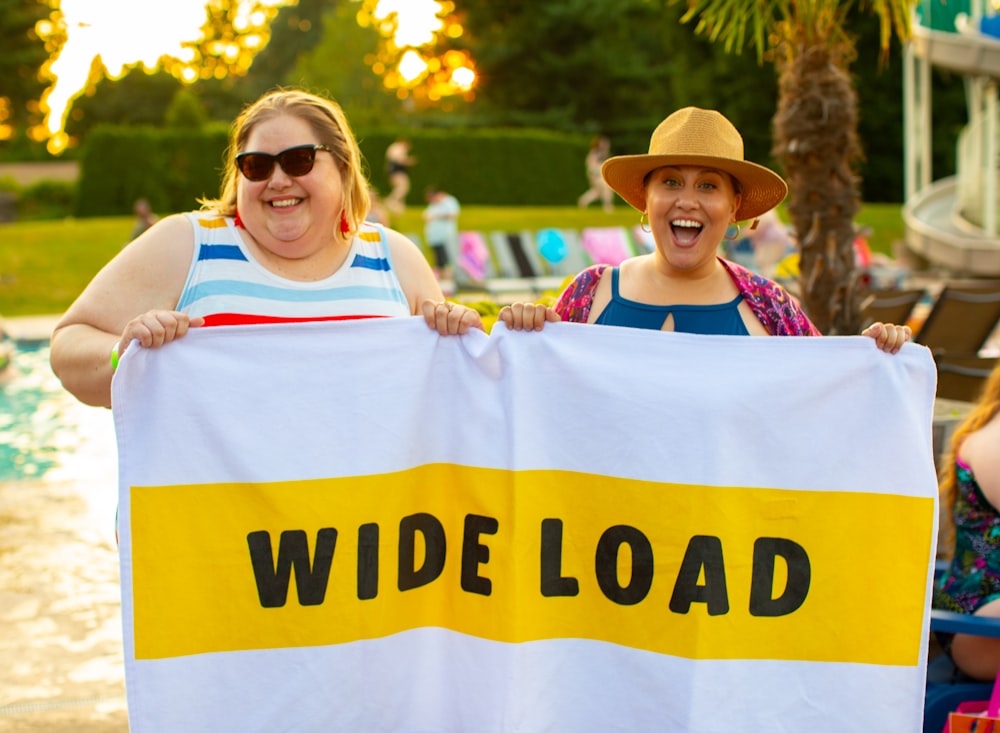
{"points": [[285, 203], [686, 231]]}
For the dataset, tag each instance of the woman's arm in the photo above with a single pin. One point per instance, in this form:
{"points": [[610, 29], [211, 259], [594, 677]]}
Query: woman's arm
{"points": [[423, 292], [133, 296]]}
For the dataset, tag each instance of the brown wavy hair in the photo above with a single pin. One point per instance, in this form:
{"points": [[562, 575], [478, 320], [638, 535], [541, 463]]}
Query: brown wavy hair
{"points": [[327, 121], [986, 407]]}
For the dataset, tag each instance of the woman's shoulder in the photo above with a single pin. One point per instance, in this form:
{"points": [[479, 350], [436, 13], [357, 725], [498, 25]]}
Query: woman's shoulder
{"points": [[776, 308], [201, 219], [168, 228], [575, 301], [402, 250], [587, 279], [981, 451], [755, 283], [371, 230]]}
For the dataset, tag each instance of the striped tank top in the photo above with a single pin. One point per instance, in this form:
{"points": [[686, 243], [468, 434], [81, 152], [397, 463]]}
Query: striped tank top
{"points": [[228, 286]]}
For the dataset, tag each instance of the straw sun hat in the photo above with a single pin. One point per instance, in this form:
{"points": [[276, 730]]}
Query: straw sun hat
{"points": [[700, 137]]}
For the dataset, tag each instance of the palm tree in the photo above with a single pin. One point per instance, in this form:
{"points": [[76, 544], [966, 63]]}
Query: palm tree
{"points": [[815, 127]]}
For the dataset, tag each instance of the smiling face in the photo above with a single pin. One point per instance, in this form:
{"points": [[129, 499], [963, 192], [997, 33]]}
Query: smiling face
{"points": [[291, 217], [689, 210]]}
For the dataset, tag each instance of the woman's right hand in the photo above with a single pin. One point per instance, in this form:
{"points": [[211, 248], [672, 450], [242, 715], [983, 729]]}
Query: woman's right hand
{"points": [[527, 316], [157, 327]]}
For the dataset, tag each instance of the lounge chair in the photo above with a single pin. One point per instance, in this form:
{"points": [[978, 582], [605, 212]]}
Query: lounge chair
{"points": [[607, 245], [962, 318], [519, 262], [562, 252], [890, 306], [961, 376], [472, 261]]}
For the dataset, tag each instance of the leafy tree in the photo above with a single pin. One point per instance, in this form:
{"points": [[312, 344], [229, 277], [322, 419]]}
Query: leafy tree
{"points": [[337, 66], [295, 30], [23, 56], [186, 111], [221, 57], [615, 67], [138, 98], [569, 63], [815, 127], [228, 45]]}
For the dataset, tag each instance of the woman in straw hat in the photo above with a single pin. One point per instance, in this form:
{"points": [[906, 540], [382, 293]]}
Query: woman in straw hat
{"points": [[692, 186]]}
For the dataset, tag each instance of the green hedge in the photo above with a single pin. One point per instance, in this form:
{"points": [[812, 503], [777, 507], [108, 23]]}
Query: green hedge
{"points": [[487, 167], [173, 168], [46, 200]]}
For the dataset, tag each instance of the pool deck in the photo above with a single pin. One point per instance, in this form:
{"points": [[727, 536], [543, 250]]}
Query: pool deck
{"points": [[31, 328], [60, 600], [60, 612]]}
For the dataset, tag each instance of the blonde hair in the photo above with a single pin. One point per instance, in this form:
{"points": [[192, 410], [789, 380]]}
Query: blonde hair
{"points": [[327, 121], [986, 407]]}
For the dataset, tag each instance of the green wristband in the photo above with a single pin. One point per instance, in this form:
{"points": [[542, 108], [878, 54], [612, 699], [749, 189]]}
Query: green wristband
{"points": [[114, 358]]}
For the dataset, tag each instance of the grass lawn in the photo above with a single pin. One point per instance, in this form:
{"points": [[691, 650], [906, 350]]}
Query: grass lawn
{"points": [[45, 264]]}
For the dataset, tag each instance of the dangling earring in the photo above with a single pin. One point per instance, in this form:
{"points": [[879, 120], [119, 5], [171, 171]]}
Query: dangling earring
{"points": [[730, 234], [644, 227], [345, 227], [237, 220]]}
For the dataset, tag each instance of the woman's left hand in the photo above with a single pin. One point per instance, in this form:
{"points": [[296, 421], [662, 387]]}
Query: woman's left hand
{"points": [[449, 318], [888, 337]]}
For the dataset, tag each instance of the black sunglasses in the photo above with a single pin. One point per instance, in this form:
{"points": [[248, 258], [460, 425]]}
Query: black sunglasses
{"points": [[295, 162]]}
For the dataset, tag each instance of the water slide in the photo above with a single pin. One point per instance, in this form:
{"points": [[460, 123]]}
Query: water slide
{"points": [[948, 221]]}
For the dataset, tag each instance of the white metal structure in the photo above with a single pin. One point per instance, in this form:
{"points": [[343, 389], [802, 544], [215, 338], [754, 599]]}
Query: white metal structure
{"points": [[953, 222]]}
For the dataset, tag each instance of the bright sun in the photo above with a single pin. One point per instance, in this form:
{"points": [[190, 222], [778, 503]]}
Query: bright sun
{"points": [[124, 33]]}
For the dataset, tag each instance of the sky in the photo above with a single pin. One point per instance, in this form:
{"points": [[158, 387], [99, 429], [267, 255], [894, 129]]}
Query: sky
{"points": [[122, 32]]}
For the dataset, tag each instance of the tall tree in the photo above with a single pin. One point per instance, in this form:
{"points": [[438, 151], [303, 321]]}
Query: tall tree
{"points": [[337, 66], [138, 98], [618, 67], [815, 127], [567, 63], [24, 54], [295, 30]]}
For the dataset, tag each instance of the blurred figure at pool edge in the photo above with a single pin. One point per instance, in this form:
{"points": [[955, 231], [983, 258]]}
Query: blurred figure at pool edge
{"points": [[692, 186], [290, 218]]}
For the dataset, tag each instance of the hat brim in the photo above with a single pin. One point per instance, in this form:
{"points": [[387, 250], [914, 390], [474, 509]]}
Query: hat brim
{"points": [[761, 188]]}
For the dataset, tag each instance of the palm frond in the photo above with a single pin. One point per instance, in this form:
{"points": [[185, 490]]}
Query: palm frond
{"points": [[790, 24]]}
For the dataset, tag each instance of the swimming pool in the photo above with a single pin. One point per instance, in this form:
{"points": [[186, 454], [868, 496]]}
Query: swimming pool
{"points": [[45, 433]]}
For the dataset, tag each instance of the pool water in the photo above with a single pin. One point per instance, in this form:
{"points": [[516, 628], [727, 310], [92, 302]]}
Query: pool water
{"points": [[45, 433]]}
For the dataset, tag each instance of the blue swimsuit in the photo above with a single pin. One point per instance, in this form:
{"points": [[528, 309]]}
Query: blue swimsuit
{"points": [[723, 319]]}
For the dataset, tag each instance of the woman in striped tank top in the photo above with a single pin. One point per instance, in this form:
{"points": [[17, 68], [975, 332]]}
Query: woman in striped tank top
{"points": [[285, 241]]}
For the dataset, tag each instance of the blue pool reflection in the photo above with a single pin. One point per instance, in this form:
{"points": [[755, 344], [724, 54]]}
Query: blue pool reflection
{"points": [[45, 433]]}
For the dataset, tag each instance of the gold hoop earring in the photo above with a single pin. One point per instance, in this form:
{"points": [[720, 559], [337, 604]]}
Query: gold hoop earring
{"points": [[736, 235], [646, 227]]}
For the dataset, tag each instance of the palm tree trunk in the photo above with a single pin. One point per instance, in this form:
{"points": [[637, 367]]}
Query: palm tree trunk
{"points": [[815, 134]]}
